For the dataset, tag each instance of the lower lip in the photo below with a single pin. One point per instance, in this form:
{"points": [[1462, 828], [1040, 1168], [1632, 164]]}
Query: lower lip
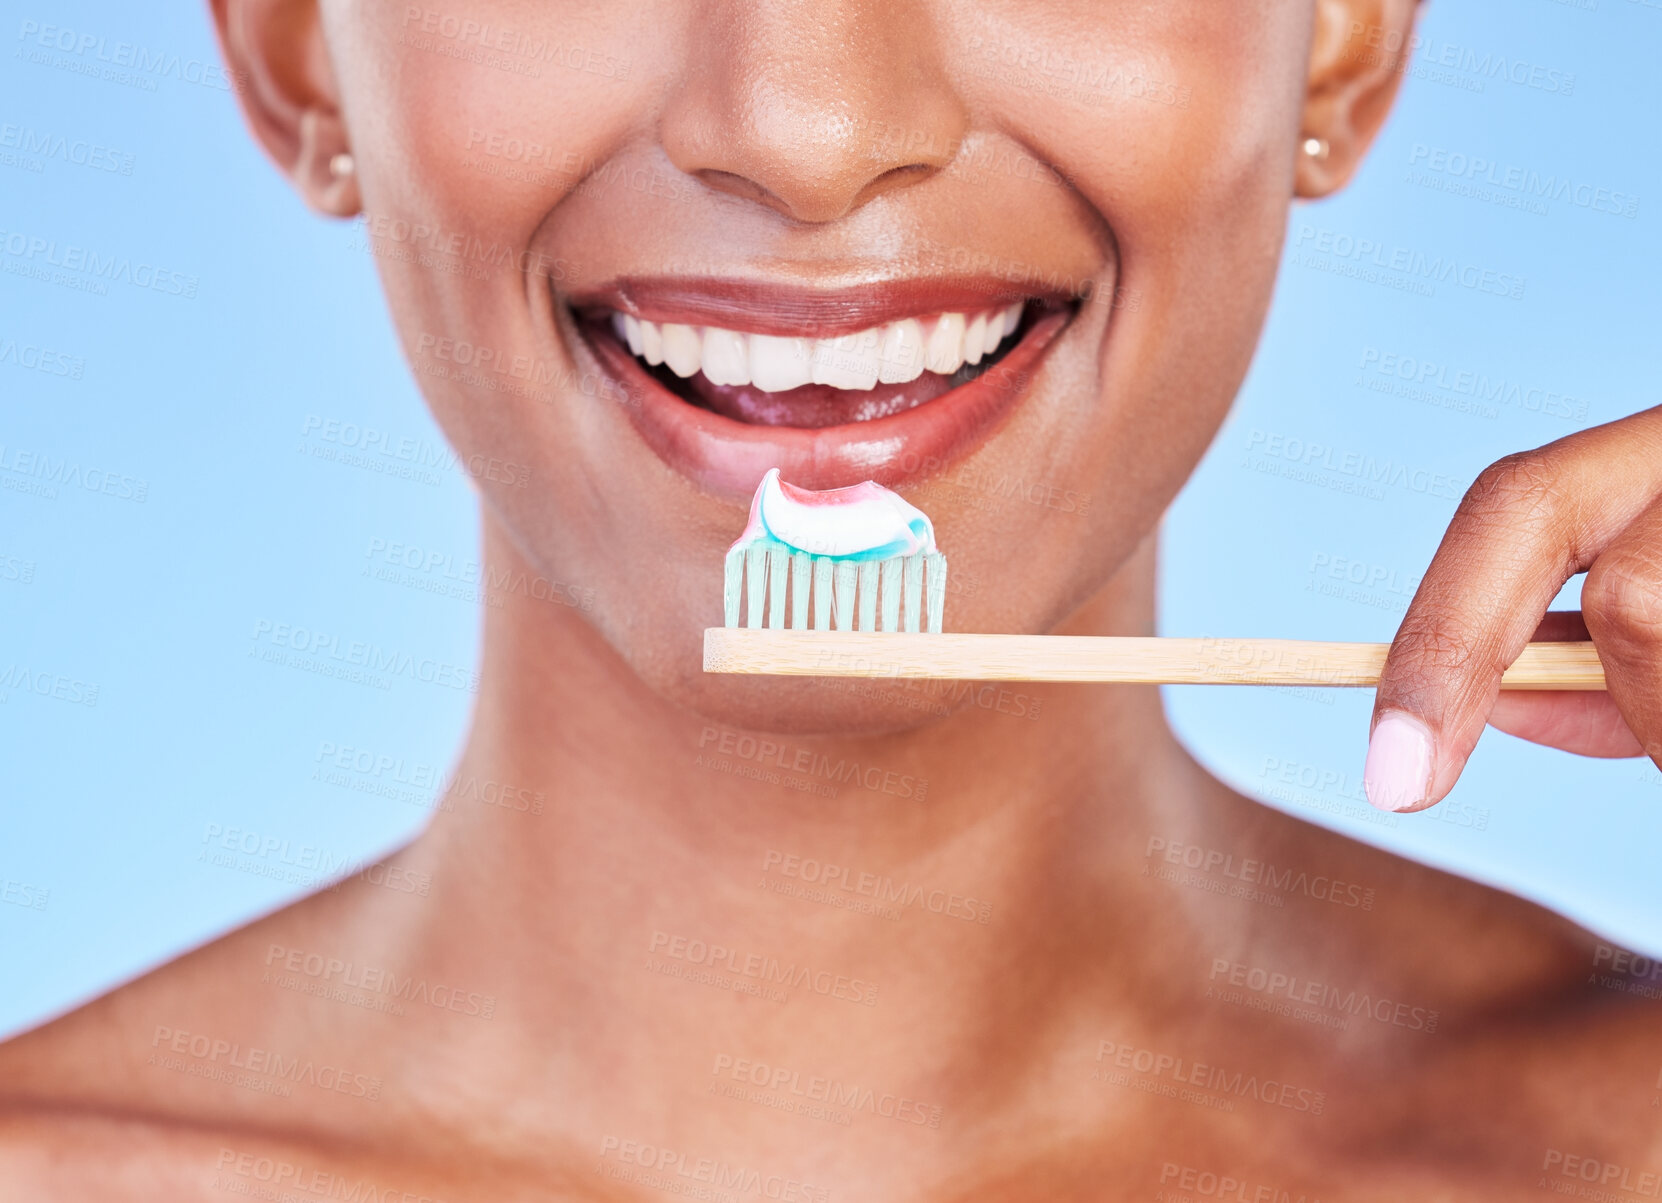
{"points": [[731, 457]]}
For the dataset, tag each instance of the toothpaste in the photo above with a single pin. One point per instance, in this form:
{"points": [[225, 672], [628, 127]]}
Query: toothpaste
{"points": [[860, 522]]}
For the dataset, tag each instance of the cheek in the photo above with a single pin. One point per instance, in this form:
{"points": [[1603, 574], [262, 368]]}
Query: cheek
{"points": [[1178, 129], [472, 123], [488, 113], [1185, 147]]}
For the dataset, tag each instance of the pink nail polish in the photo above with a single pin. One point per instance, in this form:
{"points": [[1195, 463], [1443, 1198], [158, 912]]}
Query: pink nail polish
{"points": [[1397, 775]]}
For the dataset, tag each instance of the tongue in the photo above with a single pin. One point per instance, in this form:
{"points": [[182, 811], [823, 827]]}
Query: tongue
{"points": [[811, 405]]}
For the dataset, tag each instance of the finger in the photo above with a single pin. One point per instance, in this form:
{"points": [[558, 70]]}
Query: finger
{"points": [[1529, 523], [1586, 723], [1561, 626], [1621, 601]]}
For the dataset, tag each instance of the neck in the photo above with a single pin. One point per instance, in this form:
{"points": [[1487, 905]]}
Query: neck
{"points": [[930, 880]]}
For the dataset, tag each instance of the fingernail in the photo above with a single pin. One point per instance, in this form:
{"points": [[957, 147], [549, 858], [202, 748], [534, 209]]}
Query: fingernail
{"points": [[1397, 775]]}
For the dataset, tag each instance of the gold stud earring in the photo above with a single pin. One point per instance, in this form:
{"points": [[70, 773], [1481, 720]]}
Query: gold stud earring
{"points": [[1316, 148], [342, 165]]}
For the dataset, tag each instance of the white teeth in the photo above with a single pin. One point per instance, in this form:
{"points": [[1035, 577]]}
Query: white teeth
{"points": [[777, 364], [975, 338], [900, 358], [946, 344], [1012, 317], [848, 362], [726, 356], [683, 348], [652, 343], [896, 353], [994, 333]]}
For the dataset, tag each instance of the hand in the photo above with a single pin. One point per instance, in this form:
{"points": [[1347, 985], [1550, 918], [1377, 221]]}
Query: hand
{"points": [[1591, 502]]}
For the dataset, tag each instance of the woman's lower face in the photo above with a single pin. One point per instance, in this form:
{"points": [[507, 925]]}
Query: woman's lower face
{"points": [[1009, 259]]}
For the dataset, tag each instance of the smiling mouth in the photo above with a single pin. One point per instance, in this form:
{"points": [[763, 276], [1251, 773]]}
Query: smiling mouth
{"points": [[887, 382], [791, 380]]}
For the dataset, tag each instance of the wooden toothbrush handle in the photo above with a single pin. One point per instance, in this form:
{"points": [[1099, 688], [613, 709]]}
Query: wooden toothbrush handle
{"points": [[1155, 661]]}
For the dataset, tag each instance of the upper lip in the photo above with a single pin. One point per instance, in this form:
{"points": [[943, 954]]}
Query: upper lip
{"points": [[759, 307]]}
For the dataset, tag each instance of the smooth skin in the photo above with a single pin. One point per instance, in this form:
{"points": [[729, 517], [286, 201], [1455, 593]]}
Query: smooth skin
{"points": [[1066, 1023]]}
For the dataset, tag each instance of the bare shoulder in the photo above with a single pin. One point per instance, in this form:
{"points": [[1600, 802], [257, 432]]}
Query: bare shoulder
{"points": [[204, 1046], [75, 1154], [69, 1156], [1403, 915], [1444, 1013]]}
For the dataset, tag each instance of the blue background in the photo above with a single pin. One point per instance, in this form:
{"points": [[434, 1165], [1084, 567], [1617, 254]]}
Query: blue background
{"points": [[237, 410]]}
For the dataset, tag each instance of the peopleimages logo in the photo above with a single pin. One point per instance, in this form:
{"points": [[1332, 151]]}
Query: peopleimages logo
{"points": [[879, 887], [1408, 263], [33, 251], [764, 753], [679, 1173], [278, 1178], [370, 445], [1523, 181], [1181, 1071], [830, 1091], [1196, 1183], [26, 679], [1286, 986], [232, 1055], [371, 980], [441, 572], [1319, 887], [310, 864], [1609, 1176], [459, 245], [330, 651], [1416, 54], [36, 358], [23, 894], [1366, 470], [378, 765], [41, 40], [44, 476], [763, 968], [1465, 382], [79, 152]]}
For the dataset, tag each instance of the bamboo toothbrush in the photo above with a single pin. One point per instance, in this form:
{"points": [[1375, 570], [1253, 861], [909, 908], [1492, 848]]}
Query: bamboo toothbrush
{"points": [[881, 576]]}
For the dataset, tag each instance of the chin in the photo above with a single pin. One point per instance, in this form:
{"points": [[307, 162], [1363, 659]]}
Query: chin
{"points": [[834, 706], [985, 406]]}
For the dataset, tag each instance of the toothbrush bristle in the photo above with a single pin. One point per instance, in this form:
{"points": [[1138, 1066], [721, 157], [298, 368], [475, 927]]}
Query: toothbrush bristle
{"points": [[732, 586], [778, 562], [755, 560], [801, 573], [891, 594], [935, 588], [764, 586], [822, 594], [913, 595], [868, 596], [847, 574]]}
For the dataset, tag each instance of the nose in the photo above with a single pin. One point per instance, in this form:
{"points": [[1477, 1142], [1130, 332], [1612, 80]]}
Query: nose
{"points": [[812, 107]]}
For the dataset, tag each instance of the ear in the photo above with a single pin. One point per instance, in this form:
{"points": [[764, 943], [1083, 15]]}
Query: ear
{"points": [[1358, 55], [290, 97]]}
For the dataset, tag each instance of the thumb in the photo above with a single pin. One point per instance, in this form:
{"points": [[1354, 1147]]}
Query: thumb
{"points": [[1503, 559]]}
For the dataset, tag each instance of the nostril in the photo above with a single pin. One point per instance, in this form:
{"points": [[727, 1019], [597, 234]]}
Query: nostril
{"points": [[741, 186], [746, 188], [728, 181], [895, 177]]}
